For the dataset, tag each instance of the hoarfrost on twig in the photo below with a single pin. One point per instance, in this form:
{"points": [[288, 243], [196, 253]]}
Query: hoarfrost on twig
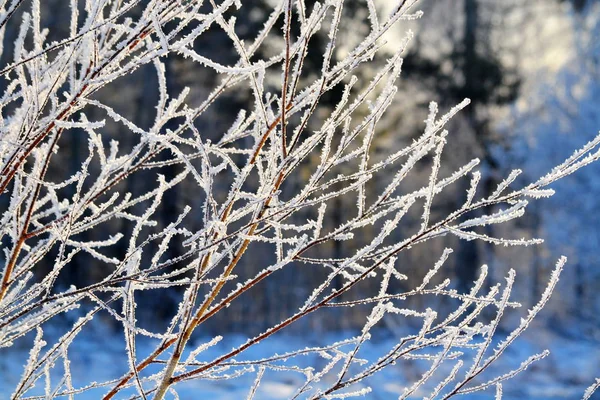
{"points": [[242, 206]]}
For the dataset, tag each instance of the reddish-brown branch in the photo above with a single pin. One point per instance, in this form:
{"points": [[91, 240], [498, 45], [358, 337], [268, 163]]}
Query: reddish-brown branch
{"points": [[203, 265], [286, 72], [23, 236]]}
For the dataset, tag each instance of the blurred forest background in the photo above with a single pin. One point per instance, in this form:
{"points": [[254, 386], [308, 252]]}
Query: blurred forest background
{"points": [[532, 71]]}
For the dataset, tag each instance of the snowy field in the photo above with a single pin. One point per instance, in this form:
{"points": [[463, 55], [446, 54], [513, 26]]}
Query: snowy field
{"points": [[564, 374]]}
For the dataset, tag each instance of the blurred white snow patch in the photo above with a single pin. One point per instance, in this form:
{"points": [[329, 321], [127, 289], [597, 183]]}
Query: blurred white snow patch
{"points": [[278, 389], [571, 367]]}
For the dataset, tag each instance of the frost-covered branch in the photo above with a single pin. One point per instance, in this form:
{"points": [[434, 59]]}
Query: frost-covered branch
{"points": [[265, 191]]}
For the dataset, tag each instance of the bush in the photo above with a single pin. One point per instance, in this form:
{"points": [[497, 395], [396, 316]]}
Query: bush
{"points": [[264, 191]]}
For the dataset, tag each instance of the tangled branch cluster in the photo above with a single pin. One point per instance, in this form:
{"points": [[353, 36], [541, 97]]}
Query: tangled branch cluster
{"points": [[49, 88]]}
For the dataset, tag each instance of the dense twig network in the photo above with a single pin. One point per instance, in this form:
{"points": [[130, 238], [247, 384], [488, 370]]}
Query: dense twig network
{"points": [[51, 86]]}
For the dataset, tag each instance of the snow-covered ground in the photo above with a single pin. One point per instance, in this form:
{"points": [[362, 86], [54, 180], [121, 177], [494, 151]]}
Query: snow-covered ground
{"points": [[571, 367]]}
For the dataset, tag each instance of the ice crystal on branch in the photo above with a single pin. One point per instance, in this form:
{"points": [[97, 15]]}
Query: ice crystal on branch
{"points": [[266, 189]]}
